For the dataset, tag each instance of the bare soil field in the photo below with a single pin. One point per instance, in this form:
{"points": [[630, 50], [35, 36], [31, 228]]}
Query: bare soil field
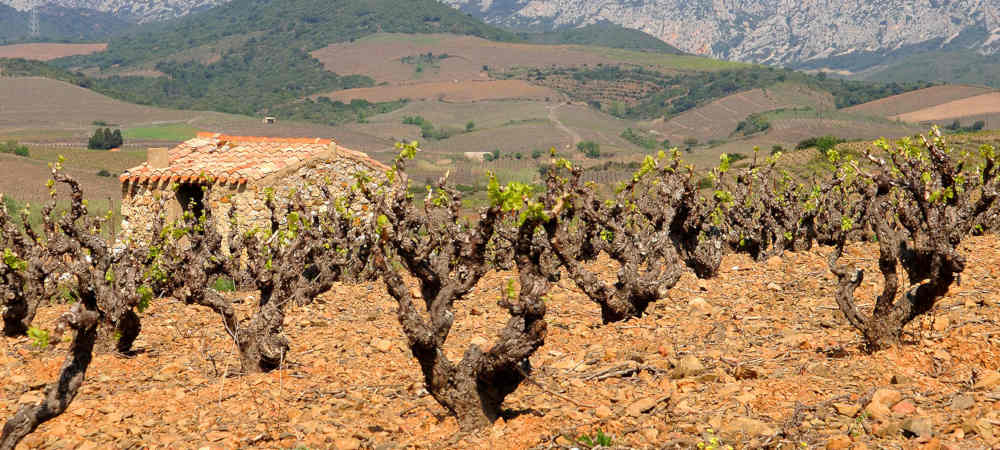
{"points": [[48, 51], [767, 361], [717, 120], [972, 106], [380, 57], [449, 91], [24, 179], [916, 100]]}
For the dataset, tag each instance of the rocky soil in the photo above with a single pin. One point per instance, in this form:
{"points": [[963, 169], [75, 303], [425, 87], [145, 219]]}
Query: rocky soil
{"points": [[758, 357]]}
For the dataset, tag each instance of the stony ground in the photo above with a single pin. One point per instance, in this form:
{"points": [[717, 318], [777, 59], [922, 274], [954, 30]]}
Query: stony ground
{"points": [[758, 357]]}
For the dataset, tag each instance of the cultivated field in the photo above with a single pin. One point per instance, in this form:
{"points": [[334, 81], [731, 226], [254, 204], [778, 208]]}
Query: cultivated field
{"points": [[48, 51], [972, 106], [776, 364], [916, 100], [717, 120], [380, 57], [449, 91]]}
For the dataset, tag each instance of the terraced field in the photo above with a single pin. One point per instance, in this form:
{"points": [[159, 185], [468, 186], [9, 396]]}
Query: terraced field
{"points": [[449, 91], [917, 100], [718, 119]]}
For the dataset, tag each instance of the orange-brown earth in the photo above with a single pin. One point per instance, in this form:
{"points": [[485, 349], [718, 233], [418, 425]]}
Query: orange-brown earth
{"points": [[380, 57], [48, 51], [916, 100], [971, 106], [778, 367]]}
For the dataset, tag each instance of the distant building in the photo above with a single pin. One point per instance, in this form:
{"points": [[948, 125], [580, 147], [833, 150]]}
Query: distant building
{"points": [[270, 120], [238, 169]]}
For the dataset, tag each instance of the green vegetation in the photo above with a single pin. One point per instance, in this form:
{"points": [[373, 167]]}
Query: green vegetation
{"points": [[324, 110], [644, 139], [589, 149], [604, 34], [754, 123], [104, 173], [823, 144], [956, 127], [169, 132], [599, 439], [273, 68], [961, 67], [223, 284], [18, 67], [681, 92], [14, 148], [62, 25], [105, 139], [428, 131]]}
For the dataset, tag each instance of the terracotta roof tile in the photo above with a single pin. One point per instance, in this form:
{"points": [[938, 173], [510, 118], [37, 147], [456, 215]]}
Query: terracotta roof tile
{"points": [[222, 158]]}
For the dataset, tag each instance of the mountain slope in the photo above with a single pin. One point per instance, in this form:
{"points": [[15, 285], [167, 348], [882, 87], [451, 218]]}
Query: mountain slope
{"points": [[770, 31], [58, 23], [140, 11]]}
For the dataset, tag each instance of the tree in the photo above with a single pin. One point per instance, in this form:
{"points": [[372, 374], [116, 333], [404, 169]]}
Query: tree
{"points": [[448, 256], [108, 284], [589, 149], [105, 139], [920, 204], [656, 224], [469, 126], [296, 257]]}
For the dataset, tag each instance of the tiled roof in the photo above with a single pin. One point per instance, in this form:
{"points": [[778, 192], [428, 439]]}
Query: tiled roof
{"points": [[218, 158]]}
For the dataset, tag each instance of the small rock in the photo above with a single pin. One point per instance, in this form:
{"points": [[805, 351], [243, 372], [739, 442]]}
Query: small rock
{"points": [[963, 402], [847, 409], [796, 340], [900, 379], [904, 408], [665, 351], [640, 406], [839, 443], [941, 323], [480, 341], [703, 285], [381, 345], [31, 397], [887, 430], [882, 400], [744, 427], [603, 412], [933, 444], [688, 366], [347, 443], [773, 262], [651, 434], [987, 379], [774, 286], [918, 426], [701, 306]]}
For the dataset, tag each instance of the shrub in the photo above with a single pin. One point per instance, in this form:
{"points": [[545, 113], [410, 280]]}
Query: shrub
{"points": [[14, 148], [469, 126], [589, 149], [104, 173], [105, 139]]}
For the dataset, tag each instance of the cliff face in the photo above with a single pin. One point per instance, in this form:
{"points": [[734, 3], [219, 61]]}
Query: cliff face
{"points": [[785, 32], [133, 10]]}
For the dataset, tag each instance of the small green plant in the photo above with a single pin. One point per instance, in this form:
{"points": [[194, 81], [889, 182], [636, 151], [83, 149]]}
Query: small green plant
{"points": [[223, 284], [712, 442], [599, 439], [39, 337], [103, 173]]}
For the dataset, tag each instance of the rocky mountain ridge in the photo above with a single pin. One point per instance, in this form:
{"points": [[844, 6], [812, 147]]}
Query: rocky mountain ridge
{"points": [[781, 32], [141, 11]]}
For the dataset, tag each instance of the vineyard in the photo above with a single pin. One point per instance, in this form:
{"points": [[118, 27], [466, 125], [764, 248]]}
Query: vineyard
{"points": [[559, 317]]}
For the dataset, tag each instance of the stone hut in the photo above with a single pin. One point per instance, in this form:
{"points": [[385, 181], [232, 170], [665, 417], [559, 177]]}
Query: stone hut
{"points": [[239, 170]]}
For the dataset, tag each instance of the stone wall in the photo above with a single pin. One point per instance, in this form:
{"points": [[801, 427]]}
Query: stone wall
{"points": [[141, 202]]}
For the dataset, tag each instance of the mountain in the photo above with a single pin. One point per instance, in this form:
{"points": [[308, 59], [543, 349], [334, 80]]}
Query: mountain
{"points": [[59, 23], [139, 11], [851, 34]]}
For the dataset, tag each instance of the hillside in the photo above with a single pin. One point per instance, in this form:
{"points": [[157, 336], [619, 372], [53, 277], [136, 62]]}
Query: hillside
{"points": [[919, 99], [58, 24]]}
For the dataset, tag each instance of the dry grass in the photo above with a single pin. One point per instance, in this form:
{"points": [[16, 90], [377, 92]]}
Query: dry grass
{"points": [[48, 51], [449, 91], [917, 100]]}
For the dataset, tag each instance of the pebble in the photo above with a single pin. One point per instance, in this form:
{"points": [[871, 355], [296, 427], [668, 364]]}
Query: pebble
{"points": [[918, 426], [962, 402]]}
